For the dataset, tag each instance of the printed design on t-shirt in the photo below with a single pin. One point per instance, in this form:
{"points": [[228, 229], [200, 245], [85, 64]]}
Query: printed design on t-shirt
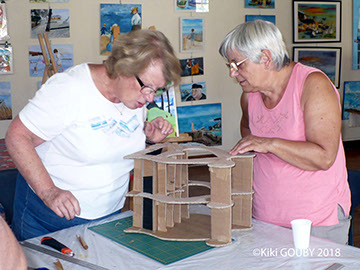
{"points": [[272, 124], [121, 128]]}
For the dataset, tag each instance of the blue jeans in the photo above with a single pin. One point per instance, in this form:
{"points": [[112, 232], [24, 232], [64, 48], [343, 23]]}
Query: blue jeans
{"points": [[33, 218]]}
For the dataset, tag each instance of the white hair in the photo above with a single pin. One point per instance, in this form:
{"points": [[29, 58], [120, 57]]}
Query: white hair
{"points": [[251, 38]]}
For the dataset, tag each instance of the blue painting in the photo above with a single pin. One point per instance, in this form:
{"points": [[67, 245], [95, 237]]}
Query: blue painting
{"points": [[351, 97], [326, 59], [202, 123], [116, 19], [192, 5], [63, 56], [259, 3], [192, 34], [356, 36], [5, 101], [269, 18]]}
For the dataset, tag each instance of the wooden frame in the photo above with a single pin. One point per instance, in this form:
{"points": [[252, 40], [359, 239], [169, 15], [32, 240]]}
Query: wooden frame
{"points": [[161, 194], [327, 59], [192, 34], [316, 21], [356, 35]]}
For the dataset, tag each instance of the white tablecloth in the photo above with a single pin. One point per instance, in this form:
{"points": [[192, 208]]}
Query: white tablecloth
{"points": [[266, 246]]}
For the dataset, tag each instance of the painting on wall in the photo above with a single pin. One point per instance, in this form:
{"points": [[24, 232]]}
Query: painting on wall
{"points": [[6, 60], [192, 66], [269, 18], [356, 35], [55, 22], [192, 34], [193, 91], [116, 19], [316, 21], [63, 54], [49, 1], [164, 105], [351, 100], [327, 59], [259, 3], [5, 101], [202, 123], [191, 5]]}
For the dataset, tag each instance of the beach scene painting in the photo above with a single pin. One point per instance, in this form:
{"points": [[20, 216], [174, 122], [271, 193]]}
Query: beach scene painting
{"points": [[63, 55], [269, 18], [164, 106], [55, 22], [5, 101], [351, 98], [259, 3], [192, 66], [192, 34], [202, 123], [116, 19], [191, 5]]}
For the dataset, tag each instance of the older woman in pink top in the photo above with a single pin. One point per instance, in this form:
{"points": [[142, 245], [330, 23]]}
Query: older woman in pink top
{"points": [[292, 120]]}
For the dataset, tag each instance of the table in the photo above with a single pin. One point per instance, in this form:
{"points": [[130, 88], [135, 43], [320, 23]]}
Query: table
{"points": [[265, 246]]}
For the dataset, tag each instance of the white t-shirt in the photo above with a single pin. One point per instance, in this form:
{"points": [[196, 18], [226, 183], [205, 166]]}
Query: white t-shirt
{"points": [[87, 137]]}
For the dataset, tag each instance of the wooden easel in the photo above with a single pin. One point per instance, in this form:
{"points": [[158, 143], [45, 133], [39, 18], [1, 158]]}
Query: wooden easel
{"points": [[50, 66]]}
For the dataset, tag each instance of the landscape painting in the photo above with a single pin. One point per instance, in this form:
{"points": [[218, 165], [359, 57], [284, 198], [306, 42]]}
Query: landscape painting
{"points": [[202, 123], [356, 35], [316, 21], [192, 5], [116, 19], [63, 55], [269, 18], [191, 34], [259, 3], [5, 101], [55, 22], [351, 98]]}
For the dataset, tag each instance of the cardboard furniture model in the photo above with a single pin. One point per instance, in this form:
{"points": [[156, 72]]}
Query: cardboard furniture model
{"points": [[161, 194]]}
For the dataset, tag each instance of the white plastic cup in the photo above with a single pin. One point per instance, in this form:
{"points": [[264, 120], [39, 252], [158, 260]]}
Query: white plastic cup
{"points": [[301, 233]]}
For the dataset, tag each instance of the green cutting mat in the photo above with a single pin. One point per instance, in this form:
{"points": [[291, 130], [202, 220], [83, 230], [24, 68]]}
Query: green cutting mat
{"points": [[163, 251]]}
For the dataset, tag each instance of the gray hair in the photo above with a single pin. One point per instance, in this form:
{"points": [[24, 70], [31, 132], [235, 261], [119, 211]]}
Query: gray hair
{"points": [[251, 38]]}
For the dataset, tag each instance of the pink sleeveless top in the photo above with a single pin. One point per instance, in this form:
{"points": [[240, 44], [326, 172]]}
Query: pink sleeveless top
{"points": [[283, 192]]}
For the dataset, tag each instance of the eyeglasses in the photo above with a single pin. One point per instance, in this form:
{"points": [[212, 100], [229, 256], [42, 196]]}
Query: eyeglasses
{"points": [[147, 90], [236, 66]]}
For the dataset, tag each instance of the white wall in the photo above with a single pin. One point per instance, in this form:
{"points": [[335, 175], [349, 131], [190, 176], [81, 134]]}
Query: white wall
{"points": [[223, 16]]}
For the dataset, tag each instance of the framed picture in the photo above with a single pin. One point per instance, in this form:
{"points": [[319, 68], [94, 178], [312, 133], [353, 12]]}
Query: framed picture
{"points": [[192, 66], [356, 35], [316, 21], [202, 122], [5, 101], [192, 34], [193, 91], [6, 60], [269, 18], [55, 22], [191, 5], [259, 3], [351, 99], [327, 59]]}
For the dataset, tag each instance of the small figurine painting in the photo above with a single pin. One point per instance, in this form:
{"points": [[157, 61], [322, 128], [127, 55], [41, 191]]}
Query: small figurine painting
{"points": [[259, 3], [192, 66], [192, 5], [55, 22], [63, 55], [191, 34], [116, 19], [202, 123], [193, 91], [5, 101], [6, 60], [351, 98], [164, 105]]}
